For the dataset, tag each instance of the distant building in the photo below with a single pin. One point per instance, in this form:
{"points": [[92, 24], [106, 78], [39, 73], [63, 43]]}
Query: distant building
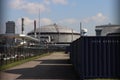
{"points": [[10, 30], [104, 30], [1, 29], [10, 27], [55, 33]]}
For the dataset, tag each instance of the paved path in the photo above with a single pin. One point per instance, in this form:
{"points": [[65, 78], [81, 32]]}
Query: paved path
{"points": [[53, 67]]}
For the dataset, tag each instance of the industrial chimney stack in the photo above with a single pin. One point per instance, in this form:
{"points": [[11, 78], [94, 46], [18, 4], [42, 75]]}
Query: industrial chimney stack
{"points": [[35, 28], [22, 25]]}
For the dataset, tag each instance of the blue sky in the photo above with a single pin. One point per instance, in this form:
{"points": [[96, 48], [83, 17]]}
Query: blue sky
{"points": [[63, 12]]}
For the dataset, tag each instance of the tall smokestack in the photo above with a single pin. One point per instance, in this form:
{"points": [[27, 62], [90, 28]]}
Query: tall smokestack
{"points": [[35, 28], [22, 25], [80, 28]]}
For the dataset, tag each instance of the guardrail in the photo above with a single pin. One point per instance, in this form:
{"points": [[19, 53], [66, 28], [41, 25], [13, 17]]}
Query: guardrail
{"points": [[96, 57]]}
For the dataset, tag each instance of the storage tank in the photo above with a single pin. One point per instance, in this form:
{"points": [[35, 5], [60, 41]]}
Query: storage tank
{"points": [[56, 33]]}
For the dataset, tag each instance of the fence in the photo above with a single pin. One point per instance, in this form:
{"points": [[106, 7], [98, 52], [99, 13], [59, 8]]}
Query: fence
{"points": [[11, 54], [96, 57], [11, 51]]}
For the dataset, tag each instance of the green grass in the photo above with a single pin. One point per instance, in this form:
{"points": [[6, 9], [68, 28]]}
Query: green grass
{"points": [[7, 66]]}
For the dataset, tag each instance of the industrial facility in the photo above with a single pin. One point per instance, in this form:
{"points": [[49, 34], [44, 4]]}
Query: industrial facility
{"points": [[52, 36], [10, 27], [104, 30], [55, 33]]}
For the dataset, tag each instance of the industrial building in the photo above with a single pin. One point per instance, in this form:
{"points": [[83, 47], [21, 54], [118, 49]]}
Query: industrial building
{"points": [[10, 27], [55, 33], [10, 30], [104, 30]]}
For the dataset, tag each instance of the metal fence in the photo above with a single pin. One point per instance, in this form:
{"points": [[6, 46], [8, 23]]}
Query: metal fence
{"points": [[96, 57], [11, 54], [11, 51]]}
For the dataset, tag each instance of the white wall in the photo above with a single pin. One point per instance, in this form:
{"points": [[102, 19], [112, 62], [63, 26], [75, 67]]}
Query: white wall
{"points": [[62, 37], [107, 30]]}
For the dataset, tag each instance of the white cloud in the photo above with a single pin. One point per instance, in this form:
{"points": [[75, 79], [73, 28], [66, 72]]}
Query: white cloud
{"points": [[97, 18], [29, 23], [46, 21], [16, 3], [69, 21], [33, 7], [46, 2], [30, 7], [64, 2]]}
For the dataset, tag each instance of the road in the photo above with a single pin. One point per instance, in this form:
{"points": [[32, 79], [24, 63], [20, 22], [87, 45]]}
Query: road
{"points": [[53, 67]]}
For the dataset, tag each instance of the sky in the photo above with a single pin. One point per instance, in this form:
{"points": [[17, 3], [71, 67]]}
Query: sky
{"points": [[67, 13]]}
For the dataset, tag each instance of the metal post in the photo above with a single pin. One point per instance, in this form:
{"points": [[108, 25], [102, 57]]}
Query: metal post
{"points": [[39, 29], [72, 35]]}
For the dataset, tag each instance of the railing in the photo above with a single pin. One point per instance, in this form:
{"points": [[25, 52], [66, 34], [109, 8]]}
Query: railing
{"points": [[96, 57], [11, 54], [11, 50]]}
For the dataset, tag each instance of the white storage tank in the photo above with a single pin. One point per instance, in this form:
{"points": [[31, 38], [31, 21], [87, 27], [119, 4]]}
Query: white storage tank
{"points": [[56, 33]]}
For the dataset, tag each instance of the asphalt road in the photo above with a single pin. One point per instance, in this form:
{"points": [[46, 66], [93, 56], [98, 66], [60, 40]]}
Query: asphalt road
{"points": [[53, 67]]}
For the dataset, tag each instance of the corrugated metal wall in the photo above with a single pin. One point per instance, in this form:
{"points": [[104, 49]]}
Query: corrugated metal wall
{"points": [[96, 57]]}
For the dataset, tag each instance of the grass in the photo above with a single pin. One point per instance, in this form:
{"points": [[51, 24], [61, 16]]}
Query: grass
{"points": [[7, 66]]}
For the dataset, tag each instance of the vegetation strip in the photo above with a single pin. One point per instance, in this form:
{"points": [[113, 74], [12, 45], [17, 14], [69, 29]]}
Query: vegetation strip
{"points": [[7, 66]]}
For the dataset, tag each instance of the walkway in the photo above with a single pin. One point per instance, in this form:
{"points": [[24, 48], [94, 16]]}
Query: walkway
{"points": [[55, 66]]}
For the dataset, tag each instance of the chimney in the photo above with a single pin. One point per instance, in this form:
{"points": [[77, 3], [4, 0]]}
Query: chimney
{"points": [[80, 28], [35, 28], [22, 25]]}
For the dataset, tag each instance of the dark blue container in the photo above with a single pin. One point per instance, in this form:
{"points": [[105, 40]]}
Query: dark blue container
{"points": [[96, 57]]}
